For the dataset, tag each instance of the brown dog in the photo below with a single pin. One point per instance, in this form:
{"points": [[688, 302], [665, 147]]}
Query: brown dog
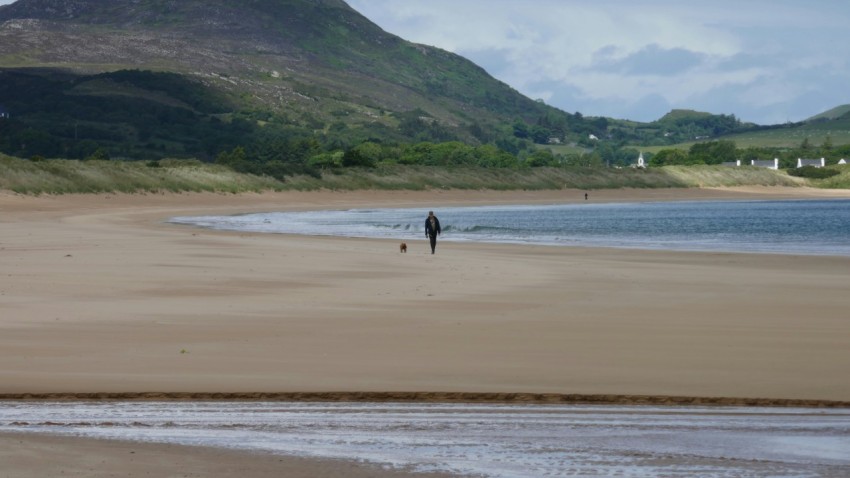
{"points": [[402, 247]]}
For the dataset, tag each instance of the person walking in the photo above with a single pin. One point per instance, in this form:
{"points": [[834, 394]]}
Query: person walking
{"points": [[432, 229]]}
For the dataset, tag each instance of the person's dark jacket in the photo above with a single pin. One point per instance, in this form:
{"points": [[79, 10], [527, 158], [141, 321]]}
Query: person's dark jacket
{"points": [[429, 231]]}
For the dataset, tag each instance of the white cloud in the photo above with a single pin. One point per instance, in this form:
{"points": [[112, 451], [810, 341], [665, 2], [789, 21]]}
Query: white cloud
{"points": [[590, 56]]}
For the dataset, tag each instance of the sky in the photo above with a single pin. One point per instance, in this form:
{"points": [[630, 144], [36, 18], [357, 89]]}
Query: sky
{"points": [[765, 61]]}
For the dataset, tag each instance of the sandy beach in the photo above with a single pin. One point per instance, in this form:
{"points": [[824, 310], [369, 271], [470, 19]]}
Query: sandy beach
{"points": [[31, 456], [99, 294]]}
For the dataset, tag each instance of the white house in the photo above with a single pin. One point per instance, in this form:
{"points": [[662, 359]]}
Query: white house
{"points": [[842, 161], [818, 163], [4, 113], [769, 163], [592, 137]]}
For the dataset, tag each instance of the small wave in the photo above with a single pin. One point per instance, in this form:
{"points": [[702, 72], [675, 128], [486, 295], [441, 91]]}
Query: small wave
{"points": [[795, 227], [507, 231]]}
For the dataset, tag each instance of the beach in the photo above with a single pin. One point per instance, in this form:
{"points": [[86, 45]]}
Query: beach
{"points": [[31, 456], [99, 294]]}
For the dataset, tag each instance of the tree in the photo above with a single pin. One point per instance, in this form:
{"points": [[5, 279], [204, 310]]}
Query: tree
{"points": [[326, 160], [667, 157], [99, 155], [712, 152], [232, 158], [541, 157], [354, 158], [540, 135], [826, 146], [520, 129]]}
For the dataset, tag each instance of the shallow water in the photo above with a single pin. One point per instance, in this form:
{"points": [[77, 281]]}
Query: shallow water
{"points": [[500, 441], [793, 227]]}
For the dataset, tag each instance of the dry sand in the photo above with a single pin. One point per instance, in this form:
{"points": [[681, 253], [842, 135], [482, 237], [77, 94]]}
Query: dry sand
{"points": [[98, 294]]}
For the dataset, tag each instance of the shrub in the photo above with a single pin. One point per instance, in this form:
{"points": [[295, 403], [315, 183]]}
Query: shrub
{"points": [[812, 172]]}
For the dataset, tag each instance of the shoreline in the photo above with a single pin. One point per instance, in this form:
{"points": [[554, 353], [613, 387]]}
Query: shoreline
{"points": [[429, 397], [346, 435], [398, 224]]}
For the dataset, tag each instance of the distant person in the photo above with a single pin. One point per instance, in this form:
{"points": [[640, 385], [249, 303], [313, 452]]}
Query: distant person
{"points": [[585, 196], [432, 229]]}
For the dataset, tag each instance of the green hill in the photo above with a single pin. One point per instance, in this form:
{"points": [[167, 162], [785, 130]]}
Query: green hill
{"points": [[831, 114], [308, 66], [286, 79], [675, 116]]}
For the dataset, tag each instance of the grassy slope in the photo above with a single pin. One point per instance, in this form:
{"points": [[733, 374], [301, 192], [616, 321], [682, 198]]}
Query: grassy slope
{"points": [[66, 176], [842, 181], [833, 113], [838, 130], [301, 58]]}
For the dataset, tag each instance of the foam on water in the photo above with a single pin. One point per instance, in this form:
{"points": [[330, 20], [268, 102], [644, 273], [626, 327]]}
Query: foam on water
{"points": [[795, 227], [501, 441]]}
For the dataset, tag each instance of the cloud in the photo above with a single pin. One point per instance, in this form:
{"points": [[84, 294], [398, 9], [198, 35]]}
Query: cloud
{"points": [[743, 58], [651, 60]]}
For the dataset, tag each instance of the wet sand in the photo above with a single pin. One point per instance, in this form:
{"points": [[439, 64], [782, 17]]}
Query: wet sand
{"points": [[496, 440], [98, 294], [45, 456]]}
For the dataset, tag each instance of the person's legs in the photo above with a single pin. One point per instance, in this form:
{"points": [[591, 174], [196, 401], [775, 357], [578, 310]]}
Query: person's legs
{"points": [[433, 242]]}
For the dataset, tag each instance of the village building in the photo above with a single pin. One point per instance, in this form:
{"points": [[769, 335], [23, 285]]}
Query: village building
{"points": [[842, 161], [4, 113], [732, 164], [641, 163], [765, 163], [818, 163]]}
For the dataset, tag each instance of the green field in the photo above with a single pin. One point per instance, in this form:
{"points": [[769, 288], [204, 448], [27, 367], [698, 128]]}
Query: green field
{"points": [[838, 131]]}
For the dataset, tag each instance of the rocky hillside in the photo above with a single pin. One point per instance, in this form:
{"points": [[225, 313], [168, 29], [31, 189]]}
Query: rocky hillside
{"points": [[317, 64]]}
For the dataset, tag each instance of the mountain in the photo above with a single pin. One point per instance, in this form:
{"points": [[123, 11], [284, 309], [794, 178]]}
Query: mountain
{"points": [[831, 114], [317, 65], [675, 116]]}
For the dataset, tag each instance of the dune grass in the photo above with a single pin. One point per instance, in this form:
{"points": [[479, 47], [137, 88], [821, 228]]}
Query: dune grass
{"points": [[723, 176], [80, 177], [841, 181], [70, 176]]}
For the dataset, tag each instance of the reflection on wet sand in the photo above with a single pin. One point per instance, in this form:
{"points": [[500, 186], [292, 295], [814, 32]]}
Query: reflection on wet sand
{"points": [[481, 439]]}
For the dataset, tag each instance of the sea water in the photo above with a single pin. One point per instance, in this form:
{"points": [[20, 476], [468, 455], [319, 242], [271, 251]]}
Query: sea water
{"points": [[818, 227], [484, 440]]}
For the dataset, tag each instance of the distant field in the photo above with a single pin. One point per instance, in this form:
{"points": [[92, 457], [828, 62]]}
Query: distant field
{"points": [[838, 132], [565, 149], [790, 139]]}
